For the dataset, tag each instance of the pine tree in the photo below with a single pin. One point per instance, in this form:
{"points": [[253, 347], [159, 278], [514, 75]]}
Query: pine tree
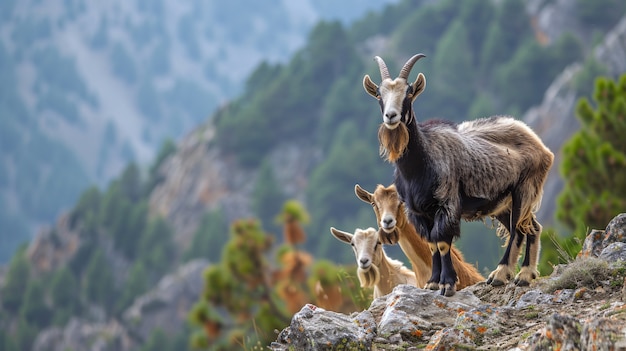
{"points": [[209, 238], [594, 161], [246, 295], [98, 280], [267, 195], [238, 300], [65, 295], [15, 283], [34, 309]]}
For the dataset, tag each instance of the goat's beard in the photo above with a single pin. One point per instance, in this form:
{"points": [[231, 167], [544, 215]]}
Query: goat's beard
{"points": [[393, 142], [368, 277], [389, 238]]}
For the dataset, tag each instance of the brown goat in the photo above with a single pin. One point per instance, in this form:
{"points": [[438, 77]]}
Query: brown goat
{"points": [[392, 219]]}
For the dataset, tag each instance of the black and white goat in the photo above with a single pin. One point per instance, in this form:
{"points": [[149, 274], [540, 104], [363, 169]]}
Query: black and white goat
{"points": [[491, 167]]}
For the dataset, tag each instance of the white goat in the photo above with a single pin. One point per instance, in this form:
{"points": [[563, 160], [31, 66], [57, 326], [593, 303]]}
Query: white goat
{"points": [[375, 268]]}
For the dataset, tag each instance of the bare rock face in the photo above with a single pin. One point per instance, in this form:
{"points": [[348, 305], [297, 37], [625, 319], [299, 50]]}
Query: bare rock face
{"points": [[166, 307], [543, 316], [53, 247], [199, 178], [554, 120], [82, 335]]}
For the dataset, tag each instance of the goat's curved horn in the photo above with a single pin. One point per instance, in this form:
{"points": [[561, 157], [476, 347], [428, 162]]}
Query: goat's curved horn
{"points": [[384, 71], [404, 73]]}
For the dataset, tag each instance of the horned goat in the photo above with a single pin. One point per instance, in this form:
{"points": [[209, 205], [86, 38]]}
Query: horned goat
{"points": [[374, 268], [490, 167], [393, 222]]}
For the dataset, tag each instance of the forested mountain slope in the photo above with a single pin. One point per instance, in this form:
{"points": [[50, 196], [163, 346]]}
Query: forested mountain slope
{"points": [[88, 87]]}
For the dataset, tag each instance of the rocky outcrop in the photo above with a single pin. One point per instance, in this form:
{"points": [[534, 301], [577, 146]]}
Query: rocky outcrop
{"points": [[199, 178], [53, 247], [79, 334], [579, 307], [555, 121]]}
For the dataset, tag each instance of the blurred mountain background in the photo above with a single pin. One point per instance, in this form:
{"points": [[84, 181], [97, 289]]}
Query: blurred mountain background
{"points": [[134, 133], [88, 88]]}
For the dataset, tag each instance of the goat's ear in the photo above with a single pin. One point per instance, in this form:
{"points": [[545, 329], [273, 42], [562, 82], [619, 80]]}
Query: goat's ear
{"points": [[370, 87], [363, 194], [418, 86], [341, 235]]}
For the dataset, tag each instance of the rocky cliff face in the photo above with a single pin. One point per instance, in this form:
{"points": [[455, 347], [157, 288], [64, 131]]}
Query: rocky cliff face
{"points": [[198, 179], [165, 308], [555, 120], [579, 307]]}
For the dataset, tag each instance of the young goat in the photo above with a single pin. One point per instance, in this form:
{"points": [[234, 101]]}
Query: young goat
{"points": [[375, 268], [491, 167], [395, 227]]}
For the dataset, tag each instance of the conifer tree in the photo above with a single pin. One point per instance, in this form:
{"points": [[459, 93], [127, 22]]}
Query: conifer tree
{"points": [[246, 296], [15, 282], [594, 161], [239, 306]]}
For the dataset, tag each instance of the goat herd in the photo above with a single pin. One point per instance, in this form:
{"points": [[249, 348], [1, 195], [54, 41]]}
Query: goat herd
{"points": [[490, 167]]}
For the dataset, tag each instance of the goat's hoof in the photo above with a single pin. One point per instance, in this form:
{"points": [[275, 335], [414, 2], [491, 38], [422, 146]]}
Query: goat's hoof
{"points": [[521, 282], [500, 276], [432, 286], [495, 282], [448, 290], [525, 276]]}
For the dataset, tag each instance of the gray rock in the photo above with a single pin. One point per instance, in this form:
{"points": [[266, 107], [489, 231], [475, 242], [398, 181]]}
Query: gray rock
{"points": [[562, 332], [534, 297], [593, 245], [603, 334], [615, 231], [314, 328], [415, 313], [614, 254]]}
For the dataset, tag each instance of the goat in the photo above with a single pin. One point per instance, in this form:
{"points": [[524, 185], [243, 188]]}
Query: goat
{"points": [[489, 167], [393, 221], [375, 268]]}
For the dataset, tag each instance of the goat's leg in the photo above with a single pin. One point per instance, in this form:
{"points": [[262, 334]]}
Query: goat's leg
{"points": [[445, 228], [433, 282], [505, 270], [447, 282], [529, 271], [424, 227]]}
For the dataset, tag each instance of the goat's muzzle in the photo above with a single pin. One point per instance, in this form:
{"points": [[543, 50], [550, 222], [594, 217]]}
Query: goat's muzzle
{"points": [[391, 126]]}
